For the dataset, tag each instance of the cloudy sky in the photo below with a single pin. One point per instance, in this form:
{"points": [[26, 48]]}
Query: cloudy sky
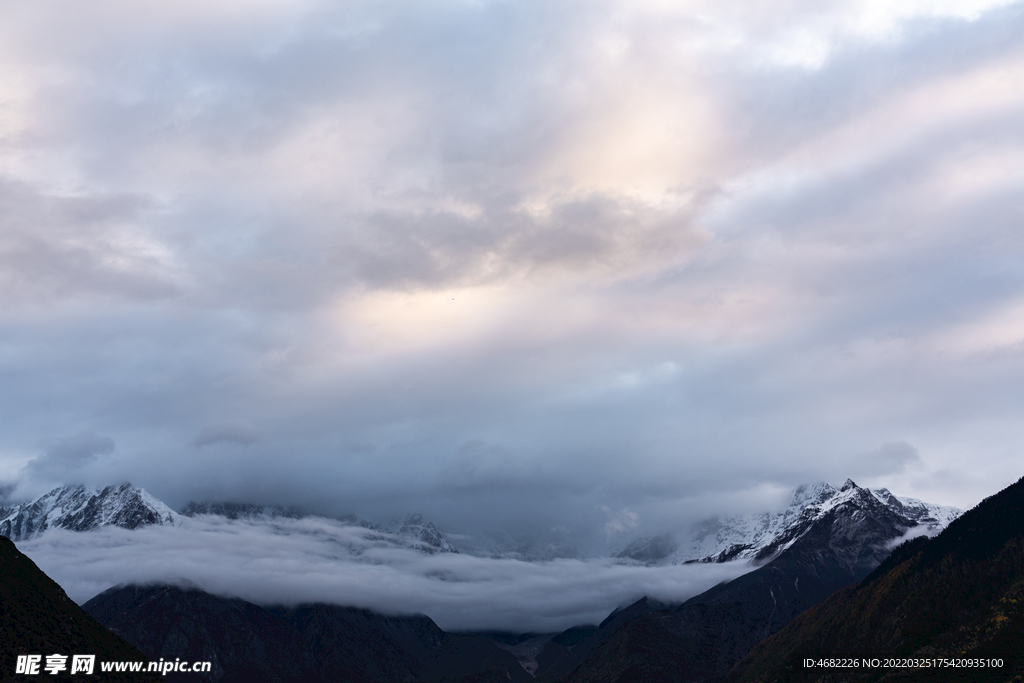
{"points": [[604, 265]]}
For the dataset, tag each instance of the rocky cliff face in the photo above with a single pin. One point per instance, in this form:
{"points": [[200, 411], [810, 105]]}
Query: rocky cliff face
{"points": [[957, 596], [78, 508], [859, 528], [411, 531], [422, 535], [760, 536], [241, 510], [835, 540]]}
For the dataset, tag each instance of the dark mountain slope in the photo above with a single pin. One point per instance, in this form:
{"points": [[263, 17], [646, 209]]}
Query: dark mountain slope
{"points": [[960, 594], [243, 642], [37, 617], [703, 638], [406, 648], [308, 644]]}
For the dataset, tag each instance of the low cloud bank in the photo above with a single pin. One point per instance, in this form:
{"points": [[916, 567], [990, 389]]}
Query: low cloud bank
{"points": [[319, 560], [912, 533]]}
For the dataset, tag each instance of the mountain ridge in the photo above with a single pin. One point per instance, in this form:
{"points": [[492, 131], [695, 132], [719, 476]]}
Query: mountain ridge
{"points": [[957, 595], [747, 537], [837, 540], [38, 618], [752, 537], [80, 508], [313, 643]]}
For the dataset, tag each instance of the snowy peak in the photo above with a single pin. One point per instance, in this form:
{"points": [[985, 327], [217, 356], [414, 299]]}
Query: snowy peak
{"points": [[650, 549], [763, 535], [411, 531], [812, 494], [241, 510], [929, 514], [855, 515], [886, 498], [852, 518], [849, 495], [422, 535], [78, 508]]}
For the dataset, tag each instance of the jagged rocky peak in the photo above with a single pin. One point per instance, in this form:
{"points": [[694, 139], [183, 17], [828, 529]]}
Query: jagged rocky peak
{"points": [[409, 531], [886, 498], [650, 549], [259, 512], [80, 508], [853, 524], [935, 517], [424, 535], [762, 535], [241, 510], [812, 494]]}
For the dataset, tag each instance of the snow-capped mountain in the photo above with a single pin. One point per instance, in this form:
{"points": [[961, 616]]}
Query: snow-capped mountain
{"points": [[411, 531], [421, 535], [241, 510], [836, 539], [846, 512], [750, 537], [763, 535], [78, 508], [935, 517]]}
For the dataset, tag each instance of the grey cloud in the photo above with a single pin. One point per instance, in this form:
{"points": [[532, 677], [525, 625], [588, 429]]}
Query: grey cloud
{"points": [[889, 458], [63, 456], [597, 233], [781, 110], [240, 433], [310, 560], [60, 247], [242, 102], [806, 302]]}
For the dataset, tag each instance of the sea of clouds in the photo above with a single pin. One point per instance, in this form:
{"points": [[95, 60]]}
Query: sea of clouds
{"points": [[291, 561]]}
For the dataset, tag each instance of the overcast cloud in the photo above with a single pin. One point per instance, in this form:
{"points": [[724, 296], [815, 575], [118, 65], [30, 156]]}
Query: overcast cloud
{"points": [[606, 266], [316, 560]]}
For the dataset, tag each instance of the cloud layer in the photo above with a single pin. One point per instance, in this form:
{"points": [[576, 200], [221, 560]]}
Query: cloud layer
{"points": [[317, 560], [605, 267]]}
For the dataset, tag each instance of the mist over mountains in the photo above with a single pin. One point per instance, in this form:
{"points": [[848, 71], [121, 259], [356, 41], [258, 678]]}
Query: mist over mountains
{"points": [[954, 597], [838, 547], [269, 554], [79, 508], [311, 559], [523, 265], [541, 312]]}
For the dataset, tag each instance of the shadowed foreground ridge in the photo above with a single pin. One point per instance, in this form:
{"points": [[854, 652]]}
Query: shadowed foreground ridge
{"points": [[960, 594], [37, 617], [311, 643]]}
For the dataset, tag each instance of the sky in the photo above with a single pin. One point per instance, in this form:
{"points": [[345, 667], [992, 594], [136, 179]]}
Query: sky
{"points": [[604, 267]]}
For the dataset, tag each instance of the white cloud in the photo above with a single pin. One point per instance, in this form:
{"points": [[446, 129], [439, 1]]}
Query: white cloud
{"points": [[317, 560], [241, 433], [623, 521]]}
